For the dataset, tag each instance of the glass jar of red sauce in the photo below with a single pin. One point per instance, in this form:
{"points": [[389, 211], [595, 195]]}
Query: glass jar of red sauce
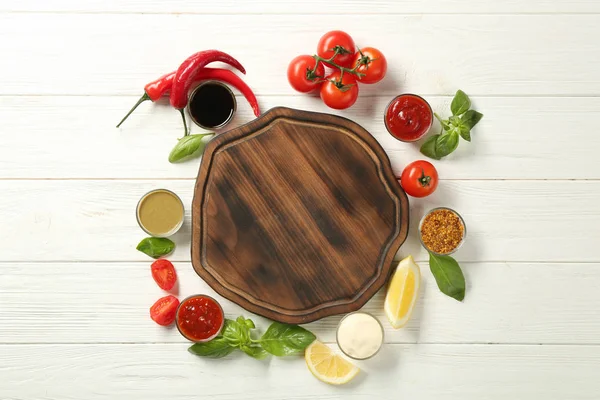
{"points": [[408, 117], [199, 318]]}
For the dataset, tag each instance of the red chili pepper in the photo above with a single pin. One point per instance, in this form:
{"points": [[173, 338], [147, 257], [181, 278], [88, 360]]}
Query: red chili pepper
{"points": [[156, 89], [153, 91], [159, 87], [185, 75], [228, 76]]}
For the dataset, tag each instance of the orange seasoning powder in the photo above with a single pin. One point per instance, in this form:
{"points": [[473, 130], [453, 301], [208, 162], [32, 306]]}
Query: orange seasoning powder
{"points": [[442, 231]]}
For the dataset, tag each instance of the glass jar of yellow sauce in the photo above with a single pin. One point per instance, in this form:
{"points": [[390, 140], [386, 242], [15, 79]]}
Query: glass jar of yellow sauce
{"points": [[160, 213]]}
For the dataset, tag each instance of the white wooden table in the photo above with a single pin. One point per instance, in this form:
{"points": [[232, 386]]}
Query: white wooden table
{"points": [[74, 292]]}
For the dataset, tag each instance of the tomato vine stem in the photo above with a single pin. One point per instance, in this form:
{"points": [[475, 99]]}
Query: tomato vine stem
{"points": [[330, 62]]}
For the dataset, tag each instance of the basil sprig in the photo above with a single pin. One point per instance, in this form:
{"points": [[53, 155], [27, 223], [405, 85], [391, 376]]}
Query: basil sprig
{"points": [[459, 125], [156, 247], [448, 275], [188, 147], [279, 340]]}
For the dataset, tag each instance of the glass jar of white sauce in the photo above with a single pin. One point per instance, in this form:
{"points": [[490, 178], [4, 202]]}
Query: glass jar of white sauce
{"points": [[359, 335]]}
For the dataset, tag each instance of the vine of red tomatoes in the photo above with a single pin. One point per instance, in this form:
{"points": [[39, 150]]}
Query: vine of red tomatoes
{"points": [[348, 66]]}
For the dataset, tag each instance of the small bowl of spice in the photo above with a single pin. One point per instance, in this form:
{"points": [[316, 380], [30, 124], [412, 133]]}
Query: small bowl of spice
{"points": [[442, 231]]}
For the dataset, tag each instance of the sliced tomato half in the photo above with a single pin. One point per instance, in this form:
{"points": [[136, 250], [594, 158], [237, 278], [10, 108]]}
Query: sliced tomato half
{"points": [[163, 311], [164, 274]]}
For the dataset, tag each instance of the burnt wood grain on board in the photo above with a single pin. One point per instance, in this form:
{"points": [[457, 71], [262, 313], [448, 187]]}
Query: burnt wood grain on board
{"points": [[297, 216]]}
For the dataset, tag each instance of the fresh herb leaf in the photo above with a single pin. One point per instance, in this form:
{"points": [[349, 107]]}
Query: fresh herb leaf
{"points": [[448, 275], [246, 323], [156, 247], [460, 103], [446, 143], [471, 118], [282, 339], [188, 147], [428, 148], [241, 320], [254, 351], [454, 121], [235, 333], [216, 348], [465, 132], [456, 126]]}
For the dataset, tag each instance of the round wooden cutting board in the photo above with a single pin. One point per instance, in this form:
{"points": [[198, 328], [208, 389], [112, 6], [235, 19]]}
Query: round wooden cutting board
{"points": [[297, 216]]}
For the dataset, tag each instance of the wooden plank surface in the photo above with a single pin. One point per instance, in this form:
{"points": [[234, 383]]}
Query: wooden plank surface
{"points": [[307, 7], [508, 54], [519, 138], [72, 220], [510, 303], [74, 293], [429, 372]]}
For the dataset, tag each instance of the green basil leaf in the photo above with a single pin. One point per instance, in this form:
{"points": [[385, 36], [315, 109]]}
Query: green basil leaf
{"points": [[448, 275], [428, 148], [235, 333], [246, 323], [454, 121], [465, 132], [255, 351], [156, 247], [188, 147], [216, 348], [446, 143], [282, 339], [471, 118], [460, 103]]}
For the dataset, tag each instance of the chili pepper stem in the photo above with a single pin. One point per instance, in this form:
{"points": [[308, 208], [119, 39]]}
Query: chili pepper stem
{"points": [[140, 101], [184, 123]]}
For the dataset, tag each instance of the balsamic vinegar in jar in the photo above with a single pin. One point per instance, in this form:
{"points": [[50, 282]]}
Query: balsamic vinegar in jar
{"points": [[212, 105]]}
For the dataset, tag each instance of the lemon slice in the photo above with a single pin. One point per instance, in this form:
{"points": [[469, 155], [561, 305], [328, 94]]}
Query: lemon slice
{"points": [[402, 292], [327, 366]]}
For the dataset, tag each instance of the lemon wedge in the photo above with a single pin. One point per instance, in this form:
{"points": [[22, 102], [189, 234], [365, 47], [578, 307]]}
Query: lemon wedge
{"points": [[327, 366], [402, 292]]}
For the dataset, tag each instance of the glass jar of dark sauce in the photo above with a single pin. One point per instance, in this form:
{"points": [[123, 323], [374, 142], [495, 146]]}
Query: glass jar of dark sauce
{"points": [[211, 105]]}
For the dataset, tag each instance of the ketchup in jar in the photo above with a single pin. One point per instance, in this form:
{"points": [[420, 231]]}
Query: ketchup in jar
{"points": [[199, 318], [408, 117]]}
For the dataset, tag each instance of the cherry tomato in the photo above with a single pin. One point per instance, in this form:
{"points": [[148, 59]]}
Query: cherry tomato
{"points": [[164, 274], [163, 311], [333, 40], [300, 74], [372, 63], [419, 178], [339, 95]]}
